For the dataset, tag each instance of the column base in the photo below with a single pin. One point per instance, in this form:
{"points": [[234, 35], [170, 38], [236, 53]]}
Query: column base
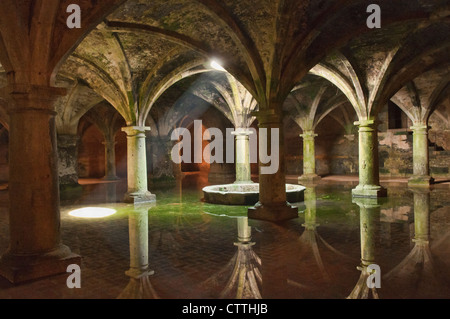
{"points": [[420, 181], [140, 197], [275, 213], [309, 179], [19, 269], [369, 191]]}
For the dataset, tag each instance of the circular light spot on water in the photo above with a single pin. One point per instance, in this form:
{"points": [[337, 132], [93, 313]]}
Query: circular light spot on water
{"points": [[92, 212]]}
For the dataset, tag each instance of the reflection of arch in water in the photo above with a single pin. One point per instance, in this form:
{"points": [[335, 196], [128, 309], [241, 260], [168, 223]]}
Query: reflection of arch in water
{"points": [[418, 273], [242, 274], [310, 239]]}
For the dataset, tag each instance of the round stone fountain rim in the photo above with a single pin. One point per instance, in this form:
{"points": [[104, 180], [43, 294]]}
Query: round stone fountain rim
{"points": [[213, 189]]}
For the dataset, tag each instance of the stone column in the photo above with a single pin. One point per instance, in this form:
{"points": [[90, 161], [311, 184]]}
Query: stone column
{"points": [[68, 159], [369, 178], [110, 158], [137, 166], [162, 164], [309, 158], [35, 248], [272, 205], [421, 163], [243, 167]]}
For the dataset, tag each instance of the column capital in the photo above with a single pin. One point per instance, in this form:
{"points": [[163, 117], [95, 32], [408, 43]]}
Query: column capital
{"points": [[242, 132], [308, 135], [108, 142], [366, 125], [67, 140], [26, 97], [368, 122], [135, 130], [268, 116], [417, 127]]}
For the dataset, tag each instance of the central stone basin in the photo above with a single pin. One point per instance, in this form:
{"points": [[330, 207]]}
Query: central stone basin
{"points": [[246, 194]]}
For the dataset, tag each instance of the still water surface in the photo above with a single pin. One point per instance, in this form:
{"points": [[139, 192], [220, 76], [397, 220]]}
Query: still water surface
{"points": [[197, 250]]}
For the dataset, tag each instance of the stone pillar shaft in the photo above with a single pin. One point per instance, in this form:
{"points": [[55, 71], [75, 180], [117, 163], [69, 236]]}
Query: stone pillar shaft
{"points": [[68, 159], [309, 154], [368, 165], [110, 159], [162, 166], [421, 166], [309, 157], [32, 165], [137, 166], [243, 167], [420, 151], [273, 186], [369, 178], [272, 205], [35, 248]]}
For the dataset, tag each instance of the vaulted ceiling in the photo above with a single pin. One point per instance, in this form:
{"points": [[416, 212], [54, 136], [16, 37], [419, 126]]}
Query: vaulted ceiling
{"points": [[144, 47]]}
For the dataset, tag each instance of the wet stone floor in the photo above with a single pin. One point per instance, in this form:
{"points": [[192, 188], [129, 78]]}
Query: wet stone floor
{"points": [[198, 250]]}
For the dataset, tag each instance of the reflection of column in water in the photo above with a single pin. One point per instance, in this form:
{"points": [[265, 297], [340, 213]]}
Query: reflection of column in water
{"points": [[310, 239], [369, 222], [417, 275], [244, 231], [310, 235], [422, 217], [139, 286], [243, 271], [311, 208]]}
